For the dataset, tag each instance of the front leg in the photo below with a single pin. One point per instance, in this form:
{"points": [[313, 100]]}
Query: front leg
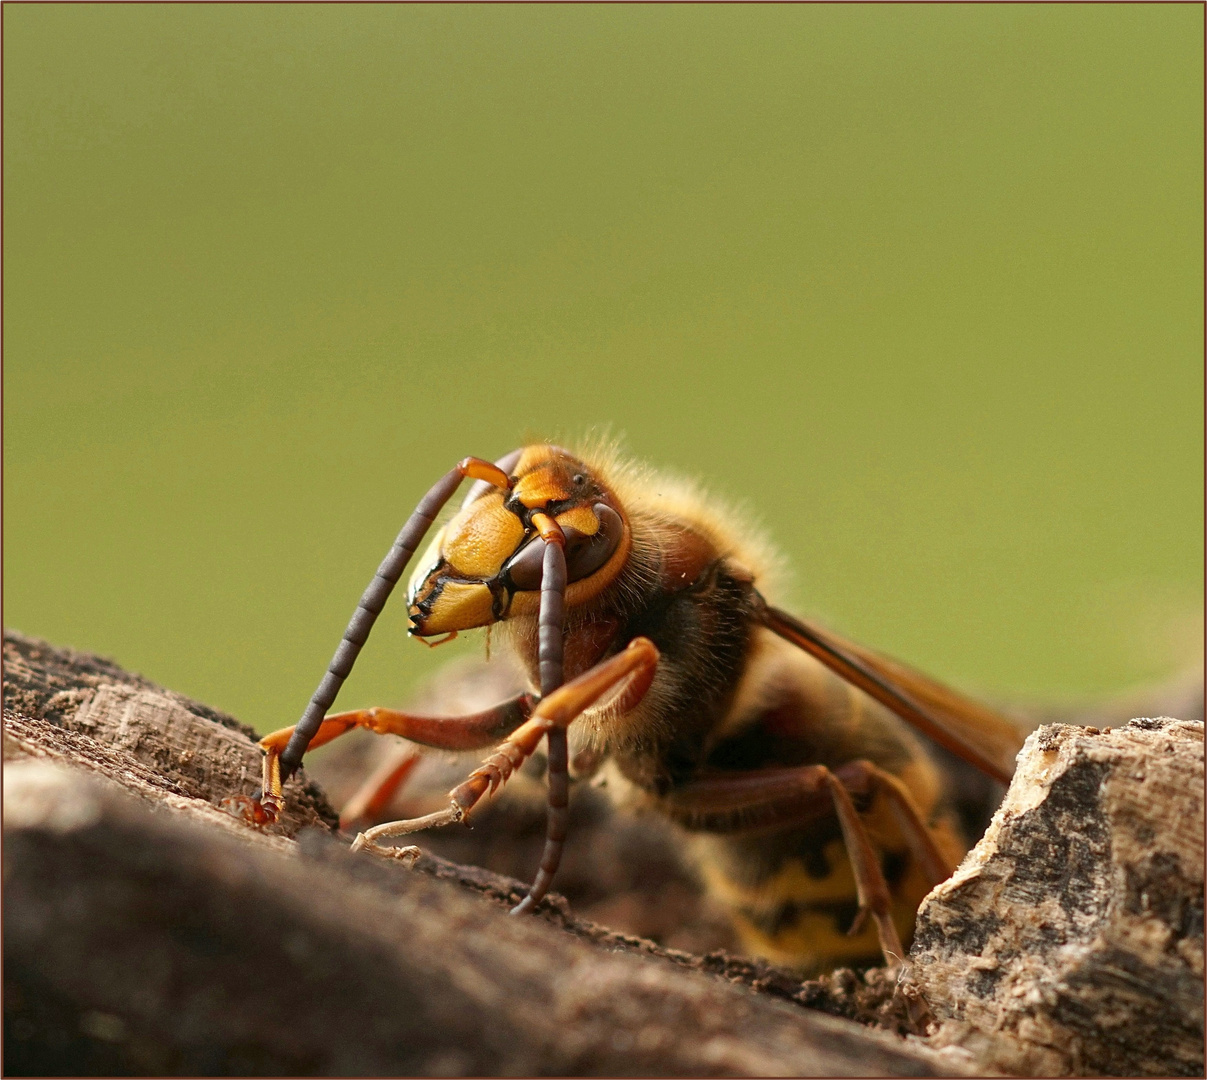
{"points": [[630, 672], [472, 732]]}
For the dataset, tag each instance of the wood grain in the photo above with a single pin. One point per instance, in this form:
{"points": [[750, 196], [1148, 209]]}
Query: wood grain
{"points": [[1070, 941]]}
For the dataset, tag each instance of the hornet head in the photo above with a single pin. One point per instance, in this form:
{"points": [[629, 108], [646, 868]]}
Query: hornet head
{"points": [[485, 564]]}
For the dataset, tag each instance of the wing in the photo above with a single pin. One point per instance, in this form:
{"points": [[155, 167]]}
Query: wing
{"points": [[975, 733]]}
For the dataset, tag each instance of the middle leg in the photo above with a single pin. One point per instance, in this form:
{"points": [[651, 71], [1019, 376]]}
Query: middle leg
{"points": [[372, 797], [630, 672]]}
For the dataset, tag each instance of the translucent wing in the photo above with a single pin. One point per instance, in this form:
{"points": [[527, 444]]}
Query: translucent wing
{"points": [[976, 733]]}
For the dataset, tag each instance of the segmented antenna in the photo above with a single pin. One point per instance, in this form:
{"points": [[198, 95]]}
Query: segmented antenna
{"points": [[374, 599], [549, 663]]}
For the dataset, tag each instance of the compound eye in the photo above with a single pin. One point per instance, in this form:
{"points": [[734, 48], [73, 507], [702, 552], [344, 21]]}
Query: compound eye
{"points": [[586, 554], [525, 567]]}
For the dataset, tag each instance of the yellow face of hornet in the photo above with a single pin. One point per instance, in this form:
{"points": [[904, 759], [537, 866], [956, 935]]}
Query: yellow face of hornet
{"points": [[485, 564]]}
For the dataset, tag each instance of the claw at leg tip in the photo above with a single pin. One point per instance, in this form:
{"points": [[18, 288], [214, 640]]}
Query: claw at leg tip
{"points": [[408, 854], [251, 811]]}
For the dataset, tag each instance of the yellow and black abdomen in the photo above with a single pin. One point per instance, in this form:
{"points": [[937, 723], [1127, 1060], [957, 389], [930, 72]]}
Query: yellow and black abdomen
{"points": [[790, 888], [792, 898]]}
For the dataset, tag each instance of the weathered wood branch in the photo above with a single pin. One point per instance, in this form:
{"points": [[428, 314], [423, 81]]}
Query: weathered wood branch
{"points": [[147, 931], [197, 751]]}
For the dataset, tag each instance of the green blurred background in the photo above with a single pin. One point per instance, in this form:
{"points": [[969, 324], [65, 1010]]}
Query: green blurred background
{"points": [[921, 284]]}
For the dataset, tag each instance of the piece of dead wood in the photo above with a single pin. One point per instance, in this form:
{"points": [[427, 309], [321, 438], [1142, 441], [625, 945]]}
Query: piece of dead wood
{"points": [[200, 751], [148, 932], [1070, 941], [222, 949], [142, 942]]}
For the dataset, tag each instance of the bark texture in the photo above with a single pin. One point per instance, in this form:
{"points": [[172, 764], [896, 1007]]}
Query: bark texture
{"points": [[196, 751], [148, 932], [1070, 941], [139, 942]]}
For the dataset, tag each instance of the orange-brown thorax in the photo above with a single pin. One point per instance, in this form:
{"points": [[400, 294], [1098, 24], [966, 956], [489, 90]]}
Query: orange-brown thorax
{"points": [[485, 564]]}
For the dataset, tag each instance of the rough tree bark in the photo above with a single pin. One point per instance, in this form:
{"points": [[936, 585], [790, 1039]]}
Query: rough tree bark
{"points": [[1070, 940], [146, 931]]}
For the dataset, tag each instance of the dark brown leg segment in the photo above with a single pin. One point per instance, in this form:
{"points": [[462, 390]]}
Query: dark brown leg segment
{"points": [[860, 776]]}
